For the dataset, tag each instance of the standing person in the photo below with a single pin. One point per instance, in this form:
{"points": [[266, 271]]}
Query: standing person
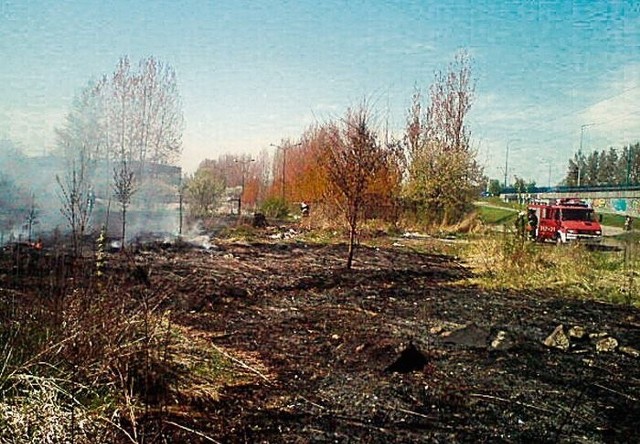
{"points": [[304, 209], [627, 223], [533, 224]]}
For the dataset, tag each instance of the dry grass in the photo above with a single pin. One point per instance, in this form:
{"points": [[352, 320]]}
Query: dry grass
{"points": [[95, 355], [42, 410], [507, 262]]}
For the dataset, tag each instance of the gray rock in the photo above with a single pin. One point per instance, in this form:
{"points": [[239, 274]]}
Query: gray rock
{"points": [[470, 336]]}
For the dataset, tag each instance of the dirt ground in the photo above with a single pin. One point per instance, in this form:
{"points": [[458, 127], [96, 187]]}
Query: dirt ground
{"points": [[399, 349], [324, 346]]}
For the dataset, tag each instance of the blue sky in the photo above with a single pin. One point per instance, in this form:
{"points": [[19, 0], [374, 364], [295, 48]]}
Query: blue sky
{"points": [[252, 73]]}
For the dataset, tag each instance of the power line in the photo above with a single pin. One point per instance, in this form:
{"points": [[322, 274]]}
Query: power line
{"points": [[623, 117], [547, 123], [605, 100]]}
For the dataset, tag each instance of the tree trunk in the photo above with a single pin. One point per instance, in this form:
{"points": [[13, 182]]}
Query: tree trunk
{"points": [[124, 225], [352, 239]]}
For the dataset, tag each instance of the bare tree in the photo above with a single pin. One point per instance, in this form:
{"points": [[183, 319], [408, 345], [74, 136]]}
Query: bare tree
{"points": [[123, 188], [75, 194], [353, 157], [135, 114], [32, 217], [85, 125], [160, 121], [121, 110]]}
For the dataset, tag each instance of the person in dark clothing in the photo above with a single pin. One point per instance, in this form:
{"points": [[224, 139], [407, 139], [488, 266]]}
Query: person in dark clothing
{"points": [[628, 221], [304, 209], [532, 219]]}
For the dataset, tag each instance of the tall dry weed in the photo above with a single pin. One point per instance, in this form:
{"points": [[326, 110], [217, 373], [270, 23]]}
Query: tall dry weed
{"points": [[507, 261]]}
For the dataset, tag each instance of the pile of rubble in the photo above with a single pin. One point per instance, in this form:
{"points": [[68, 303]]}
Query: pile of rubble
{"points": [[578, 340]]}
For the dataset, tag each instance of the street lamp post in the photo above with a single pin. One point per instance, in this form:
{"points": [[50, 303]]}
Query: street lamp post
{"points": [[244, 164]]}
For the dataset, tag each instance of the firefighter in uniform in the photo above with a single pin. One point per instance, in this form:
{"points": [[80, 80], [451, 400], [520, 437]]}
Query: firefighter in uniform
{"points": [[532, 219]]}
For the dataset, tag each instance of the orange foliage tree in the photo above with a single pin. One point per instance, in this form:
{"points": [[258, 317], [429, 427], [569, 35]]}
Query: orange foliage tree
{"points": [[356, 161], [306, 177]]}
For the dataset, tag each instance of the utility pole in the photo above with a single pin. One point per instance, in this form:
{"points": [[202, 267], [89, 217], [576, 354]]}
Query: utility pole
{"points": [[586, 125], [181, 197], [506, 166], [244, 164], [506, 162], [629, 165], [284, 149]]}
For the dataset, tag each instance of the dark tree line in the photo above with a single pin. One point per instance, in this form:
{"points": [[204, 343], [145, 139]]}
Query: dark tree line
{"points": [[605, 168]]}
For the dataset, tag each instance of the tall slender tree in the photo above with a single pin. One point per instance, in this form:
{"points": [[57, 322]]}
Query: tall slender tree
{"points": [[443, 174], [135, 114], [123, 190], [75, 193]]}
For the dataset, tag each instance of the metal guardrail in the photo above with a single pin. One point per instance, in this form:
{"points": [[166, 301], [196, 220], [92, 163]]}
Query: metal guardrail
{"points": [[566, 189]]}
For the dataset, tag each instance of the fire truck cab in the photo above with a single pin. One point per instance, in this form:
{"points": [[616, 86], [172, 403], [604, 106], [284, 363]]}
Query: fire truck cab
{"points": [[566, 220]]}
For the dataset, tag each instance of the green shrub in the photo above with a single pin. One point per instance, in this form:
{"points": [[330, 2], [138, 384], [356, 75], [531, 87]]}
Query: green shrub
{"points": [[275, 207]]}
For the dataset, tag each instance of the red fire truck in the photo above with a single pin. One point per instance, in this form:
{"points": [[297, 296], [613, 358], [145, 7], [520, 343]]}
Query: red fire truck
{"points": [[566, 220]]}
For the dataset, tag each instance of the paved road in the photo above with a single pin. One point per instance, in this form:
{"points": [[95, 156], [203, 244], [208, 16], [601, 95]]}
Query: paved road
{"points": [[611, 231]]}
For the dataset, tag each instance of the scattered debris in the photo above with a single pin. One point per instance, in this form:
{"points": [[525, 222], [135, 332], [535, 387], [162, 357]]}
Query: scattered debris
{"points": [[415, 235], [605, 345], [275, 312], [577, 332], [629, 351], [578, 336], [558, 339], [285, 234], [114, 246], [502, 340]]}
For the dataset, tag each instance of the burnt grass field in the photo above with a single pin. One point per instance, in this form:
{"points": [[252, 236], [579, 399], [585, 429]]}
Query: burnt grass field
{"points": [[399, 349]]}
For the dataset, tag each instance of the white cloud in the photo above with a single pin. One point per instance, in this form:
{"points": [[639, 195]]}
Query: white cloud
{"points": [[616, 117]]}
